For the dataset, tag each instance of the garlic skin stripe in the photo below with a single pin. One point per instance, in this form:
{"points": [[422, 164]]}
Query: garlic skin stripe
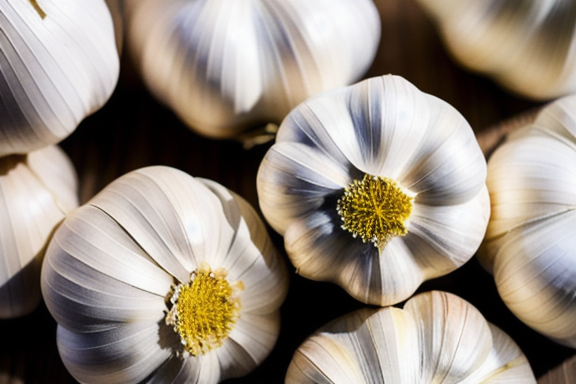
{"points": [[376, 187], [530, 245], [228, 66], [58, 64], [131, 276], [436, 338], [528, 47], [37, 190]]}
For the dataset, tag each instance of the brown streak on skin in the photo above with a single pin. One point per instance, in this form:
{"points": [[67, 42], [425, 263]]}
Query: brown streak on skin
{"points": [[38, 9]]}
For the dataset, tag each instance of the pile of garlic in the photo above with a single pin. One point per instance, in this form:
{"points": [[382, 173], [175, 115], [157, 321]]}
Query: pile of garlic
{"points": [[372, 184]]}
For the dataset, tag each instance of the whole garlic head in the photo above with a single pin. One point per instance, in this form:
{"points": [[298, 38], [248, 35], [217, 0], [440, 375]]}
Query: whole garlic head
{"points": [[37, 190], [528, 46], [530, 244], [226, 66], [163, 277], [436, 338], [58, 64], [376, 187]]}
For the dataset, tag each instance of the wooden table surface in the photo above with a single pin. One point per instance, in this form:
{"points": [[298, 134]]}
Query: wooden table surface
{"points": [[133, 130]]}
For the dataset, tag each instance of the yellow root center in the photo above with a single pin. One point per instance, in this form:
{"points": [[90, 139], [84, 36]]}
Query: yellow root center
{"points": [[204, 310], [375, 209], [38, 9]]}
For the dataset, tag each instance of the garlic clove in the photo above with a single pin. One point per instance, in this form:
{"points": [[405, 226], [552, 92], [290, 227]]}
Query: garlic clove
{"points": [[369, 275], [457, 338], [37, 190], [190, 56], [243, 354], [534, 272], [135, 341], [436, 337], [148, 204], [59, 64], [447, 231], [254, 250]]}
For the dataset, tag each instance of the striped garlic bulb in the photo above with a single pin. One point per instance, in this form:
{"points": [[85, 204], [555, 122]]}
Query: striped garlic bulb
{"points": [[376, 187], [162, 277], [226, 66], [58, 64], [37, 190], [436, 338], [530, 244], [529, 46]]}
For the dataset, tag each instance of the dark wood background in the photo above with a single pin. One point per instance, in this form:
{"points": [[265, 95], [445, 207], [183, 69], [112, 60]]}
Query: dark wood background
{"points": [[133, 130]]}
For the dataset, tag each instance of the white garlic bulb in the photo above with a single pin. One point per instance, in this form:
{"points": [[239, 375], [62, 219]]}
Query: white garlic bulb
{"points": [[162, 277], [529, 47], [376, 187], [226, 66], [436, 338], [530, 244], [37, 190], [58, 64]]}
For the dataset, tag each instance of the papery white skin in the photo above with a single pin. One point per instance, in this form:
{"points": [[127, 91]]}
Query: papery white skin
{"points": [[437, 338], [54, 71], [528, 47], [530, 245], [226, 66], [383, 127], [109, 268], [37, 190]]}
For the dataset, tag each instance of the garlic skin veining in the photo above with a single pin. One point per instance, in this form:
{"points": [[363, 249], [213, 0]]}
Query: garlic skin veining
{"points": [[530, 244], [163, 277], [37, 190], [376, 187], [528, 47], [58, 64], [228, 66], [436, 338]]}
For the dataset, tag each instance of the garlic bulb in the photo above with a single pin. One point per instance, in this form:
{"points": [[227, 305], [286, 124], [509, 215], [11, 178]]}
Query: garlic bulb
{"points": [[530, 245], [436, 338], [58, 64], [226, 66], [376, 187], [37, 190], [162, 277], [528, 47]]}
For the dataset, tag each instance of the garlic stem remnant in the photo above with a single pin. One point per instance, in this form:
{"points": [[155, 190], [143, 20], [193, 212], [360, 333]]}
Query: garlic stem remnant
{"points": [[37, 8], [376, 209], [204, 309]]}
